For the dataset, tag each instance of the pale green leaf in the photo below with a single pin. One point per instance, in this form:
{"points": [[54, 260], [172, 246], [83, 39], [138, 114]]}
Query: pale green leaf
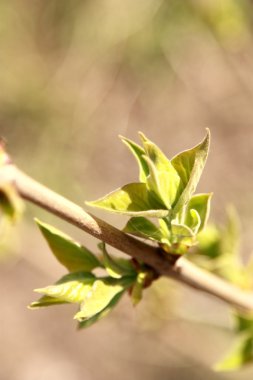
{"points": [[164, 184], [201, 204], [241, 354], [98, 298], [142, 227], [103, 313], [193, 220], [137, 289], [181, 230], [138, 152], [73, 287], [189, 166], [131, 199], [69, 253], [181, 234], [10, 202], [165, 231], [163, 179], [113, 267], [46, 301]]}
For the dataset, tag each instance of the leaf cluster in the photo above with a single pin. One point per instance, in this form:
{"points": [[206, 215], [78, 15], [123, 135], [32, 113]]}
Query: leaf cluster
{"points": [[165, 191], [95, 294]]}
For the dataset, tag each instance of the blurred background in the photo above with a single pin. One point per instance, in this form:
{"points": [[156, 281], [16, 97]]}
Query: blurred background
{"points": [[73, 76]]}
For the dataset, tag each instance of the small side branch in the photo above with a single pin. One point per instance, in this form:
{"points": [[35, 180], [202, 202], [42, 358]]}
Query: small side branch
{"points": [[182, 271]]}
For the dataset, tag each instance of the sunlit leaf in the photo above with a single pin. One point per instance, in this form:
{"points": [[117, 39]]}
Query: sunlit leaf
{"points": [[241, 354], [10, 202], [163, 179], [73, 287], [102, 314], [114, 268], [189, 166], [165, 231], [138, 152], [132, 199], [142, 227], [181, 230], [136, 292], [201, 204], [181, 234], [71, 254], [193, 220], [46, 301], [99, 297]]}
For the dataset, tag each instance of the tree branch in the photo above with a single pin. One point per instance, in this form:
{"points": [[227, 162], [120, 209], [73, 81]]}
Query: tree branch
{"points": [[182, 270]]}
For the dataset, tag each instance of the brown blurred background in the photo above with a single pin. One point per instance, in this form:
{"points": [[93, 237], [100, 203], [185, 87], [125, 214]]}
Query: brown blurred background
{"points": [[73, 76]]}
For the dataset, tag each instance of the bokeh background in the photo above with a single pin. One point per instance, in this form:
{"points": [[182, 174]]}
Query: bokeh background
{"points": [[73, 76]]}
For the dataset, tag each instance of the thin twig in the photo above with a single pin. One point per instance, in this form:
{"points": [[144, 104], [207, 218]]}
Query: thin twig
{"points": [[182, 270]]}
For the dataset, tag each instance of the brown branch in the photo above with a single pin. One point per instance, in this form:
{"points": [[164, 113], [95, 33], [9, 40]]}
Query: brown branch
{"points": [[182, 270]]}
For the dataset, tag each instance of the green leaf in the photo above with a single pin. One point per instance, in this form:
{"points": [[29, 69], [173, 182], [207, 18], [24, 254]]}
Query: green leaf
{"points": [[114, 269], [10, 202], [241, 354], [181, 230], [69, 253], [193, 220], [142, 227], [136, 293], [163, 179], [46, 301], [73, 287], [243, 322], [102, 314], [99, 297], [131, 199], [201, 204], [181, 234], [189, 166], [138, 152]]}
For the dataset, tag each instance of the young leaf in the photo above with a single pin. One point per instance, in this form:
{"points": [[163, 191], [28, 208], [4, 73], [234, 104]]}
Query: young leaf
{"points": [[98, 298], [164, 184], [241, 354], [69, 253], [189, 166], [201, 204], [142, 227], [181, 234], [163, 179], [103, 313], [136, 293], [46, 301], [181, 230], [73, 287], [243, 322], [10, 202], [138, 152], [114, 269], [193, 220], [131, 199]]}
